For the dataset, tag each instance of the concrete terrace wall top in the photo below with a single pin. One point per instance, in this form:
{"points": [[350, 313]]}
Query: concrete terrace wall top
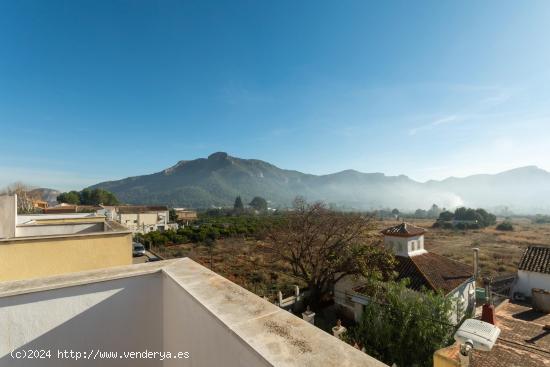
{"points": [[245, 326]]}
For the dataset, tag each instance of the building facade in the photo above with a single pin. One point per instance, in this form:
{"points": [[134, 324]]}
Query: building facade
{"points": [[139, 218], [41, 245], [533, 271], [423, 269]]}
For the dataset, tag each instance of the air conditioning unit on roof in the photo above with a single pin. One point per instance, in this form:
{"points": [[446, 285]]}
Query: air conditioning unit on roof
{"points": [[478, 334]]}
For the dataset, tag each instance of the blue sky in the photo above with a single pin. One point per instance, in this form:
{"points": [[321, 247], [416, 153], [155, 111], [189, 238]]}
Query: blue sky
{"points": [[98, 90]]}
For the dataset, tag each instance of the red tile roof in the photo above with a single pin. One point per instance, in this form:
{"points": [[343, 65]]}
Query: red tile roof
{"points": [[432, 271], [404, 230], [536, 259], [522, 342]]}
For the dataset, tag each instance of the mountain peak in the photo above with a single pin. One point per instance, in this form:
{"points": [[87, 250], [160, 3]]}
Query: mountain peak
{"points": [[526, 170], [218, 156], [218, 179]]}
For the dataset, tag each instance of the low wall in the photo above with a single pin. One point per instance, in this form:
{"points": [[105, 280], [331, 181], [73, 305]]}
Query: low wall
{"points": [[119, 315], [58, 229], [32, 258]]}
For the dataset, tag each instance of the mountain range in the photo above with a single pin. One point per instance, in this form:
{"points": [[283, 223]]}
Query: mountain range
{"points": [[216, 181]]}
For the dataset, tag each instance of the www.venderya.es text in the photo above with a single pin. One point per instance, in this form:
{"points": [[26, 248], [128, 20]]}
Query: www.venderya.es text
{"points": [[95, 354]]}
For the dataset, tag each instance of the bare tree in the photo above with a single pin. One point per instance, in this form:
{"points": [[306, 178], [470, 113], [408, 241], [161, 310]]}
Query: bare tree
{"points": [[26, 197], [322, 246]]}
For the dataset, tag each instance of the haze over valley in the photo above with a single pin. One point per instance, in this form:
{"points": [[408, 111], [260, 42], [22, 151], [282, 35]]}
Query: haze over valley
{"points": [[216, 181]]}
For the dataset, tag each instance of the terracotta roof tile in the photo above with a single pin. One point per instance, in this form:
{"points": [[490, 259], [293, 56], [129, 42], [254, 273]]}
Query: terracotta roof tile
{"points": [[523, 342], [404, 230], [536, 259], [433, 272]]}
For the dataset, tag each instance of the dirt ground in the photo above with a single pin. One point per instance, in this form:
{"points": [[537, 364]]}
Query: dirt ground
{"points": [[239, 260]]}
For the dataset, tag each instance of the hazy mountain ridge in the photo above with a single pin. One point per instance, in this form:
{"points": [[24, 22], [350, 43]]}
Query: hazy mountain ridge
{"points": [[216, 180]]}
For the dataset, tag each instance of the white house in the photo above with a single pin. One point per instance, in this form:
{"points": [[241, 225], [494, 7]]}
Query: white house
{"points": [[425, 270], [533, 271], [138, 218]]}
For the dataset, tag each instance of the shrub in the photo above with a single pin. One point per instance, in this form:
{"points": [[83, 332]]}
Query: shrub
{"points": [[505, 226]]}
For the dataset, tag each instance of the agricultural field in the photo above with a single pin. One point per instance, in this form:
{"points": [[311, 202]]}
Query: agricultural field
{"points": [[240, 259]]}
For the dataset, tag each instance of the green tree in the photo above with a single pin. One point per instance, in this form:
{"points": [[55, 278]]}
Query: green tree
{"points": [[88, 197], [172, 215], [322, 246], [505, 226], [238, 206], [259, 204], [402, 326], [71, 197], [446, 216]]}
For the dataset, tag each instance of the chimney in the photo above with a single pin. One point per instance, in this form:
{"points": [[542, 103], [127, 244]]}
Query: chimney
{"points": [[476, 262], [488, 313]]}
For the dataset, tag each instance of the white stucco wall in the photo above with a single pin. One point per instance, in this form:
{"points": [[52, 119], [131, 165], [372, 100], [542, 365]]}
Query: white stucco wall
{"points": [[144, 221], [465, 299], [343, 292], [170, 306], [528, 280], [8, 215], [405, 246], [117, 315], [189, 326], [58, 229]]}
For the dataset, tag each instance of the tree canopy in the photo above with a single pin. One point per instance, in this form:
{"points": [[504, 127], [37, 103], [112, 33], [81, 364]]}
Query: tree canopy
{"points": [[321, 246], [402, 326], [26, 196], [259, 203], [468, 218], [88, 197], [238, 206]]}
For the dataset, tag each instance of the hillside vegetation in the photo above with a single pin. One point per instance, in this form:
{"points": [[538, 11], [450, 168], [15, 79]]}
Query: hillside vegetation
{"points": [[216, 181]]}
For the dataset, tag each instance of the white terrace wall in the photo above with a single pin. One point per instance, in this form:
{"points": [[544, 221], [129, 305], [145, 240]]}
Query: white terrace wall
{"points": [[465, 299], [58, 229], [182, 307], [8, 215], [527, 280], [189, 326], [117, 315]]}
